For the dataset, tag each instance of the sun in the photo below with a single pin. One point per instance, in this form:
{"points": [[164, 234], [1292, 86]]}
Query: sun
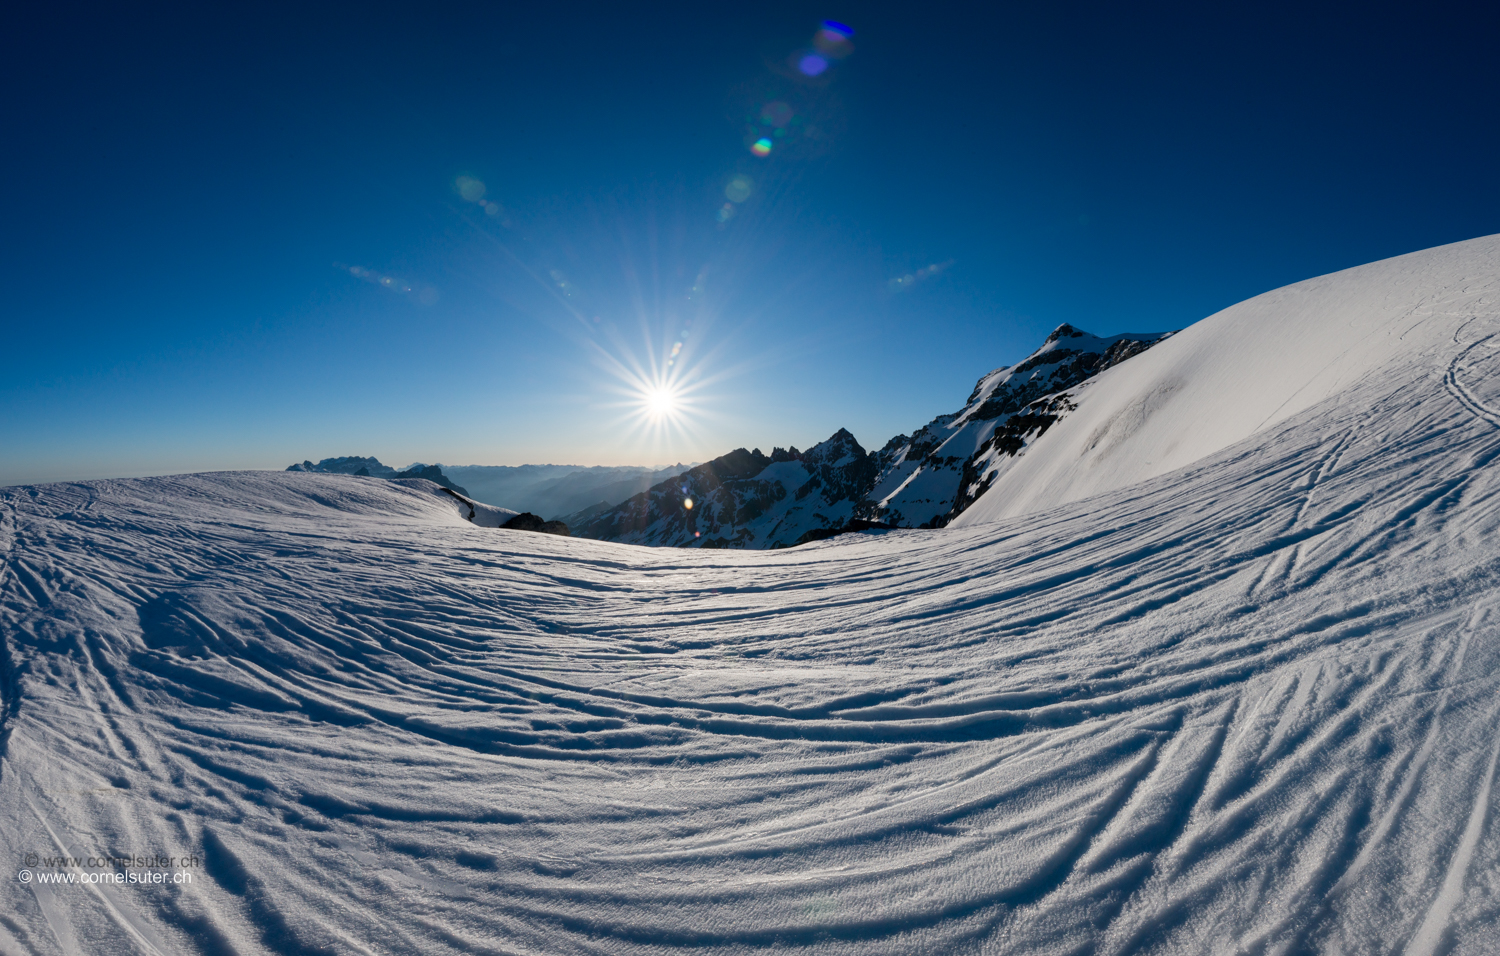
{"points": [[661, 402]]}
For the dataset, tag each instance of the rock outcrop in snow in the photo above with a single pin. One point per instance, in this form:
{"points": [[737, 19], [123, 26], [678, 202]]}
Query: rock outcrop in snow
{"points": [[526, 521]]}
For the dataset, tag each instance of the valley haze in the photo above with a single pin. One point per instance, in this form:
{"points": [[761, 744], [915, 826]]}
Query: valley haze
{"points": [[1211, 663]]}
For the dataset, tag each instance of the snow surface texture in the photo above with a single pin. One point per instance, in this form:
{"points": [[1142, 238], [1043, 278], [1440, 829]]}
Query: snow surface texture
{"points": [[1248, 705]]}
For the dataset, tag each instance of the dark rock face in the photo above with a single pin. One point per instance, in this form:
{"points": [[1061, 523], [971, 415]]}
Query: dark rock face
{"points": [[745, 499], [855, 524], [526, 521]]}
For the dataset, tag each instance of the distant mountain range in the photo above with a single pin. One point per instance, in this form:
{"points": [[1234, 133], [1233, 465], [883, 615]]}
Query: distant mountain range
{"points": [[747, 499], [372, 468], [566, 492]]}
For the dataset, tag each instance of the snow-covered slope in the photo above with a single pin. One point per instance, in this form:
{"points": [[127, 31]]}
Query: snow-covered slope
{"points": [[1253, 365], [1244, 706], [475, 512]]}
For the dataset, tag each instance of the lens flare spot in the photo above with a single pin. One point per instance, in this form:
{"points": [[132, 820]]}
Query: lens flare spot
{"points": [[812, 64], [471, 189], [776, 113], [762, 146], [739, 189], [833, 40], [687, 503]]}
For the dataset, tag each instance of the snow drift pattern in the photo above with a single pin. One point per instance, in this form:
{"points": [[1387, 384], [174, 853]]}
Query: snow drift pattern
{"points": [[1245, 705]]}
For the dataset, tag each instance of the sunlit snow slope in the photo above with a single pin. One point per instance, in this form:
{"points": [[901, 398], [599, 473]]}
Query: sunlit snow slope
{"points": [[1248, 705], [1256, 364]]}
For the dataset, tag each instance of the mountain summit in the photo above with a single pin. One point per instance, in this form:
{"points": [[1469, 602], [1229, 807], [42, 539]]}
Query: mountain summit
{"points": [[374, 468]]}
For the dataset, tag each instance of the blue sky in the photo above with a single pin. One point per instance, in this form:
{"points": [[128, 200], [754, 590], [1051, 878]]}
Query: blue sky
{"points": [[237, 239]]}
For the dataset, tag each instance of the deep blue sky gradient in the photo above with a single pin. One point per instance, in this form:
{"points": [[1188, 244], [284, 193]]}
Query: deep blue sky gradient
{"points": [[186, 189]]}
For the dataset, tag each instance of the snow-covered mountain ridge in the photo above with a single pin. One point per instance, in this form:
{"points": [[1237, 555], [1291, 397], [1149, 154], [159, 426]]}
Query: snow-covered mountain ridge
{"points": [[1253, 365], [747, 499], [931, 477]]}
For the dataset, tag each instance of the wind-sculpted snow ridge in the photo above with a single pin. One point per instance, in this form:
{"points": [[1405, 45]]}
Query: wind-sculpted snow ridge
{"points": [[1248, 705], [475, 512]]}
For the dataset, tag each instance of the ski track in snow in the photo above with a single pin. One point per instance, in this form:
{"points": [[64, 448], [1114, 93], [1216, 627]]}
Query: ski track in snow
{"points": [[1463, 368], [1248, 706]]}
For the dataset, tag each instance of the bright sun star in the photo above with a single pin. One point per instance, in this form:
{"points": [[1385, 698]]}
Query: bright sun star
{"points": [[661, 402]]}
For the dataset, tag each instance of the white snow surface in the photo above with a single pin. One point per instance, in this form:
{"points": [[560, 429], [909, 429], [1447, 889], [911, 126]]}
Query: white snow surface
{"points": [[475, 512], [1248, 705]]}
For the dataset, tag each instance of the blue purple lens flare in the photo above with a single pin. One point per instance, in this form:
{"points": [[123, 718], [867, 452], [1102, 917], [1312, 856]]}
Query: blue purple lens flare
{"points": [[812, 64], [832, 42]]}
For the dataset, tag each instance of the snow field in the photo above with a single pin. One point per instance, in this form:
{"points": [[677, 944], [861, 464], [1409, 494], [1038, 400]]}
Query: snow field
{"points": [[1249, 704]]}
